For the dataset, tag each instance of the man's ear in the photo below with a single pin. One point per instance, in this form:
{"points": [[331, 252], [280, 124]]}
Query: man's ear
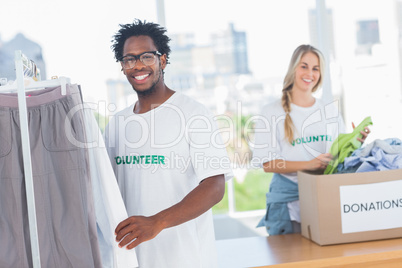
{"points": [[163, 61]]}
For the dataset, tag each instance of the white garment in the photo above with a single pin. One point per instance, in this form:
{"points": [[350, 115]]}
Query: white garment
{"points": [[109, 205], [158, 158], [316, 128]]}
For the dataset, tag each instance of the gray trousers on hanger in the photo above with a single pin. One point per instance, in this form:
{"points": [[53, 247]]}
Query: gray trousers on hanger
{"points": [[62, 187]]}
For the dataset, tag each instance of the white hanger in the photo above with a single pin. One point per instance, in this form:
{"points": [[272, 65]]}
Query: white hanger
{"points": [[32, 84]]}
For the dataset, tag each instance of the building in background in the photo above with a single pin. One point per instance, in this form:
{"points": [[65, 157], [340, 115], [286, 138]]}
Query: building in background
{"points": [[204, 66], [368, 67], [28, 47], [120, 95], [230, 51]]}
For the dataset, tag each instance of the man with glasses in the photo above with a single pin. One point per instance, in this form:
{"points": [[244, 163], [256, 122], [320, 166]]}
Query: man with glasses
{"points": [[168, 157]]}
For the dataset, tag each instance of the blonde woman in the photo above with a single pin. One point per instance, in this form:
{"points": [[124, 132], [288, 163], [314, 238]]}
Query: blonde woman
{"points": [[294, 134]]}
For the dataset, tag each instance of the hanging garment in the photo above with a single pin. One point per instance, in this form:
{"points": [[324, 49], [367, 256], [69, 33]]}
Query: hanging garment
{"points": [[376, 156], [63, 193], [345, 144], [109, 205]]}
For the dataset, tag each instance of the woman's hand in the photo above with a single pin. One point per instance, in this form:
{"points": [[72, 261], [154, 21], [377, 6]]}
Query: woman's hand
{"points": [[320, 162], [364, 133]]}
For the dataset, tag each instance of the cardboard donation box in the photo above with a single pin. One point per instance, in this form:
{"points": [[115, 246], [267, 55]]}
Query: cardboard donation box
{"points": [[344, 208]]}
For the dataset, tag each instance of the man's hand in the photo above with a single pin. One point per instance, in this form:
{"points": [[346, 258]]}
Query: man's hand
{"points": [[137, 229]]}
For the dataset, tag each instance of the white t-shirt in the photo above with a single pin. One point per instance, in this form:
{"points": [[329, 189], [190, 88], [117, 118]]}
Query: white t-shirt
{"points": [[316, 128], [158, 158]]}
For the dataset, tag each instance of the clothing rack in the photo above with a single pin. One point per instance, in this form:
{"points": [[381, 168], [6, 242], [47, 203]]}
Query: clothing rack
{"points": [[23, 68]]}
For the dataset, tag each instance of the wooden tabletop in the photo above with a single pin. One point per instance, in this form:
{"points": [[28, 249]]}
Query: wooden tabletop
{"points": [[293, 250]]}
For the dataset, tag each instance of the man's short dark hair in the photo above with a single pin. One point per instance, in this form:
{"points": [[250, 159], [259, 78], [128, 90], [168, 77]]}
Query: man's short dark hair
{"points": [[137, 28]]}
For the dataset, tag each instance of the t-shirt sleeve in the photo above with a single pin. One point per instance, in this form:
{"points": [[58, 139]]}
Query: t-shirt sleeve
{"points": [[207, 150]]}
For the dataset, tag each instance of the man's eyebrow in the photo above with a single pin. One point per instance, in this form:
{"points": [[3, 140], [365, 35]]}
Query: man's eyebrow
{"points": [[129, 54]]}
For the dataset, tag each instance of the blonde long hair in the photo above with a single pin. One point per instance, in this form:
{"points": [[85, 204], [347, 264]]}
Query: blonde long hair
{"points": [[289, 81]]}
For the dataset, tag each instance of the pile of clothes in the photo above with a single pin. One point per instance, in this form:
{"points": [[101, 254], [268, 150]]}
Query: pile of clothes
{"points": [[350, 157], [377, 156]]}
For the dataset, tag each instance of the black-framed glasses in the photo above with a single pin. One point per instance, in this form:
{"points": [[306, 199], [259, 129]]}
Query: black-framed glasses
{"points": [[147, 58]]}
